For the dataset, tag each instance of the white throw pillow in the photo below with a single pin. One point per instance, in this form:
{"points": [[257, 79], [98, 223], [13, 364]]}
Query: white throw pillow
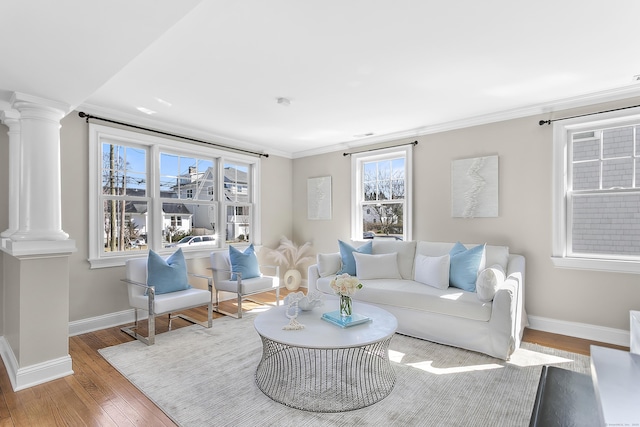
{"points": [[383, 266], [329, 264], [432, 271], [489, 281]]}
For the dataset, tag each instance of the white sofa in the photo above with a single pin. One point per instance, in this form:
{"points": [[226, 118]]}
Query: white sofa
{"points": [[450, 316]]}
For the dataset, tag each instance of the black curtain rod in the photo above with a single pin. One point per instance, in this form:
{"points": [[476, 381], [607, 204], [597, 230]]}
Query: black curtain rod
{"points": [[548, 122], [380, 148], [89, 116]]}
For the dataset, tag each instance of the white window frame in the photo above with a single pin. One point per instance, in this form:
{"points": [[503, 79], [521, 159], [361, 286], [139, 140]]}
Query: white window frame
{"points": [[154, 145], [561, 236], [357, 161]]}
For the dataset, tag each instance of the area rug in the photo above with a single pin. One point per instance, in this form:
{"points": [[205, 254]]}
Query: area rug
{"points": [[201, 377]]}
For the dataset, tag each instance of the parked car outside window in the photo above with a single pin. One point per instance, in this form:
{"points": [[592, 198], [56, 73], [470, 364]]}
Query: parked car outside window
{"points": [[193, 241]]}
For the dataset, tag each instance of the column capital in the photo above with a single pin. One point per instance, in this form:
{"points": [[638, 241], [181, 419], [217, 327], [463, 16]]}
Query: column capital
{"points": [[9, 117], [30, 106]]}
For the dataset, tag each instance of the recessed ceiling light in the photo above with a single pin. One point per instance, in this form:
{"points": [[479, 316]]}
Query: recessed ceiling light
{"points": [[163, 102], [284, 101], [145, 110]]}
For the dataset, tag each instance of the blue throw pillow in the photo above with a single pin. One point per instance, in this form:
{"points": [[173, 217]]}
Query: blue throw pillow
{"points": [[346, 253], [245, 263], [464, 266], [167, 276]]}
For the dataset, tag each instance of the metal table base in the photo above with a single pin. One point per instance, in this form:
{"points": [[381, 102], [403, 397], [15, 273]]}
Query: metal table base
{"points": [[327, 379]]}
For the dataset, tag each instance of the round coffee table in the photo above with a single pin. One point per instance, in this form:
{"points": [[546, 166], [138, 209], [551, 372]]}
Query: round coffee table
{"points": [[323, 367]]}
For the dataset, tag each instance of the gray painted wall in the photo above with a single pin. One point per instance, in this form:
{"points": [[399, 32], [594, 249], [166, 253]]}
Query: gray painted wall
{"points": [[524, 222]]}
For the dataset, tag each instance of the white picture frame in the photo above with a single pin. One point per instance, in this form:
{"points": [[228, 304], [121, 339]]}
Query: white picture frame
{"points": [[319, 198], [474, 187]]}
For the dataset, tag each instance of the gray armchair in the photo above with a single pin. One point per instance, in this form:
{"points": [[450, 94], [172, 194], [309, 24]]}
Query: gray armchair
{"points": [[221, 268], [143, 297]]}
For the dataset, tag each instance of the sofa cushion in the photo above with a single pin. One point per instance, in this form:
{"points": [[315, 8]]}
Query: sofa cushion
{"points": [[381, 266], [416, 296], [168, 275], [346, 255], [406, 253], [244, 262], [494, 254], [328, 264], [465, 264], [489, 280], [497, 255], [432, 271]]}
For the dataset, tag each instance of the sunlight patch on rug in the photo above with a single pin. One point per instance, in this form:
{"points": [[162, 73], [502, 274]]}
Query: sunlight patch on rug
{"points": [[427, 366], [525, 358]]}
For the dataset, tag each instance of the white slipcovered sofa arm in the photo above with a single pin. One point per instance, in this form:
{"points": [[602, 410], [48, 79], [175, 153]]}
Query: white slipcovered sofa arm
{"points": [[313, 274]]}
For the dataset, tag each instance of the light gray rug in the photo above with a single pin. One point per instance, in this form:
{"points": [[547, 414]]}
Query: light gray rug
{"points": [[201, 377]]}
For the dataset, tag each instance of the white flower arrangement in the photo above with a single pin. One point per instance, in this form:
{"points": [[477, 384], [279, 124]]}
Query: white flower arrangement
{"points": [[345, 284]]}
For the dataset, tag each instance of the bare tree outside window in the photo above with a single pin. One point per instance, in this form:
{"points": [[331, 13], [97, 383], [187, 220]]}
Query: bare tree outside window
{"points": [[122, 179], [383, 198]]}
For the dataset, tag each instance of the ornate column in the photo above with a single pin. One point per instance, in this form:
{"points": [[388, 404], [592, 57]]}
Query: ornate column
{"points": [[35, 259], [11, 118], [40, 194]]}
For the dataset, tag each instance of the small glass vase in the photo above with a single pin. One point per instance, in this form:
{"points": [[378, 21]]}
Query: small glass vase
{"points": [[345, 306]]}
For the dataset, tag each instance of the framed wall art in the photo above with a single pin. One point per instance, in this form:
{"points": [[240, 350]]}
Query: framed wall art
{"points": [[319, 198], [474, 187]]}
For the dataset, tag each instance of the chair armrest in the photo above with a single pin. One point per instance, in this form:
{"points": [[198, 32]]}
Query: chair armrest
{"points": [[150, 291], [276, 268], [239, 274], [142, 285], [209, 279]]}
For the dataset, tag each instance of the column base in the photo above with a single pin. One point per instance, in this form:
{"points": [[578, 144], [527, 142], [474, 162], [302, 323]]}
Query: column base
{"points": [[37, 235], [28, 248]]}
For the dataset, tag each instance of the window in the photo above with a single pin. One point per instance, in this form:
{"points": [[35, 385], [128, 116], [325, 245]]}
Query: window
{"points": [[382, 185], [165, 192], [236, 202], [597, 192]]}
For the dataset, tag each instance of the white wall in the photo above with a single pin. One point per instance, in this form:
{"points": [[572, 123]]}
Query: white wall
{"points": [[524, 223]]}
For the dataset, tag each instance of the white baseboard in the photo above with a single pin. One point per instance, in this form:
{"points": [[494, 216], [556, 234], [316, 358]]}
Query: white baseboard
{"points": [[30, 376], [103, 322], [581, 330]]}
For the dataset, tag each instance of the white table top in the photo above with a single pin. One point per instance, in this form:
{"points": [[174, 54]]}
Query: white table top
{"points": [[321, 334], [616, 379]]}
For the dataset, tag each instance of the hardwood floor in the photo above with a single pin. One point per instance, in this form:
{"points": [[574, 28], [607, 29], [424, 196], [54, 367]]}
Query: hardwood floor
{"points": [[97, 395]]}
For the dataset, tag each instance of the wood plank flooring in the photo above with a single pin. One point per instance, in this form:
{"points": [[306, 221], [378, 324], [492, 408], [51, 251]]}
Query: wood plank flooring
{"points": [[97, 395]]}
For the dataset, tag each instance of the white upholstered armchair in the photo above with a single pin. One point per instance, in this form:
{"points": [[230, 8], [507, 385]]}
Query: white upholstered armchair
{"points": [[143, 296], [227, 280]]}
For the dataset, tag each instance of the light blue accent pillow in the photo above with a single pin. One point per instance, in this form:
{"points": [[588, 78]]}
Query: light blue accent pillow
{"points": [[245, 263], [464, 266], [168, 275], [346, 253]]}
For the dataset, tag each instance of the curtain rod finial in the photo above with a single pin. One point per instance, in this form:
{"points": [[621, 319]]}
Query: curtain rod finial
{"points": [[542, 122]]}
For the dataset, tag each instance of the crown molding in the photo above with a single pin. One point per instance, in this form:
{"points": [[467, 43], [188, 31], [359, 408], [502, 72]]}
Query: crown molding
{"points": [[616, 94]]}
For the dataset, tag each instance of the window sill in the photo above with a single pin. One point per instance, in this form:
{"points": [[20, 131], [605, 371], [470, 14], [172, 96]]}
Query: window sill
{"points": [[593, 264], [121, 260]]}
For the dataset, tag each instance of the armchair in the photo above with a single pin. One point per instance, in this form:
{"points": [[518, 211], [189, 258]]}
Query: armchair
{"points": [[143, 297], [222, 275]]}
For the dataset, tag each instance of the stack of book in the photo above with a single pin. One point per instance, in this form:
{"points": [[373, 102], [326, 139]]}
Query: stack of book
{"points": [[345, 321]]}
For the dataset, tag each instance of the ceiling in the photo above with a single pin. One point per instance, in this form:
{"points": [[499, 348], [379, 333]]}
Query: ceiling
{"points": [[215, 69]]}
